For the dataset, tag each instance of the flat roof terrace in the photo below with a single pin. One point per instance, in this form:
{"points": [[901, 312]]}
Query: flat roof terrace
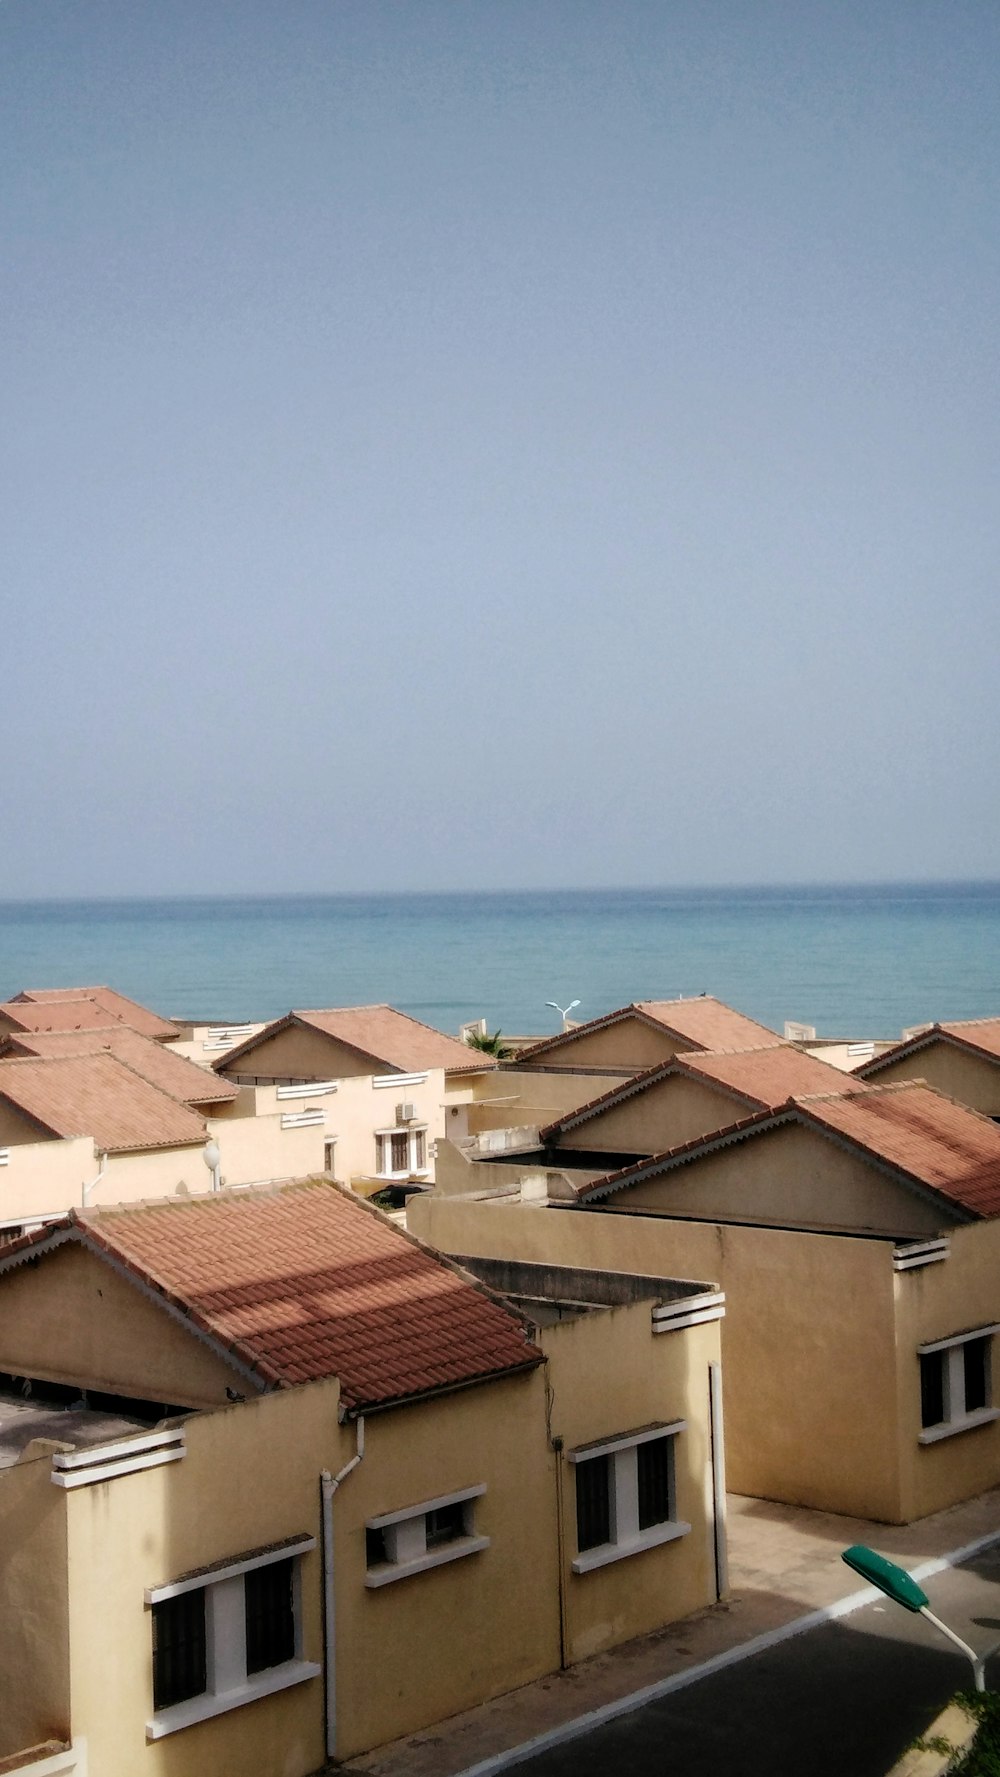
{"points": [[551, 1293]]}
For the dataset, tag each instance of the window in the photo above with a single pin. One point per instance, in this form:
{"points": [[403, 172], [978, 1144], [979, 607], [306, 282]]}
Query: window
{"points": [[956, 1384], [401, 1543], [625, 1495], [227, 1635], [398, 1152]]}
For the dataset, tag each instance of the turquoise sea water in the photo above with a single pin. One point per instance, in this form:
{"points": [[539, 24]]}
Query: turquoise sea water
{"points": [[850, 960]]}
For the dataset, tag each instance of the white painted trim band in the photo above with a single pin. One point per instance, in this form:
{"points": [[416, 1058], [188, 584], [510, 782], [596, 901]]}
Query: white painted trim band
{"points": [[110, 1471], [211, 1576], [389, 1571], [647, 1539], [209, 1703], [627, 1441], [154, 1440], [957, 1339], [428, 1505], [950, 1428]]}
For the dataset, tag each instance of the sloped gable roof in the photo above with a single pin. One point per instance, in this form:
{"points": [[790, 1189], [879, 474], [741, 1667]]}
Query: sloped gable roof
{"points": [[306, 1281], [98, 1096], [84, 1008], [391, 1039], [977, 1036], [762, 1077], [701, 1023], [910, 1130], [162, 1066]]}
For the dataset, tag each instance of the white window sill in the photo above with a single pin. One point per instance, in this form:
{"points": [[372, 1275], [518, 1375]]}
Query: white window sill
{"points": [[646, 1539], [387, 1571], [208, 1704], [932, 1434]]}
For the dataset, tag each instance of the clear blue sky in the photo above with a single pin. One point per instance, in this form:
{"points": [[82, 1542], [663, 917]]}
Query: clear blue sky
{"points": [[498, 443]]}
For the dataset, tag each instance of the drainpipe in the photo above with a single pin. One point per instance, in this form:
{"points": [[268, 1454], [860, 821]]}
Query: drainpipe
{"points": [[328, 1486], [89, 1185], [557, 1446]]}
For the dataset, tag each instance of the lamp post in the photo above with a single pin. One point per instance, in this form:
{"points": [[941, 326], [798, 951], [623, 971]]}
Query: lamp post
{"points": [[898, 1585], [563, 1011]]}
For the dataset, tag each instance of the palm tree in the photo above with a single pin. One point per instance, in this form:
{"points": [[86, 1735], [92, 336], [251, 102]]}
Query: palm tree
{"points": [[490, 1045]]}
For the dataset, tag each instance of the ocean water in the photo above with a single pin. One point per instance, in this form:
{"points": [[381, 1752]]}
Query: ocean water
{"points": [[853, 961]]}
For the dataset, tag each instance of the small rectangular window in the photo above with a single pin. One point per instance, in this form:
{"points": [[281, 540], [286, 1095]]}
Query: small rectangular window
{"points": [[655, 1481], [180, 1668], [932, 1387], [445, 1524], [593, 1502], [976, 1365], [270, 1615]]}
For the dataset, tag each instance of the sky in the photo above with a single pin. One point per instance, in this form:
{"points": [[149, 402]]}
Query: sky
{"points": [[498, 443]]}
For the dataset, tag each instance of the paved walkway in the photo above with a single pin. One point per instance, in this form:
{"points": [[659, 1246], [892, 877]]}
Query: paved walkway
{"points": [[784, 1563]]}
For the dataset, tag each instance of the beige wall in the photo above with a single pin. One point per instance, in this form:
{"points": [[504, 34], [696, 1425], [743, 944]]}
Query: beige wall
{"points": [[630, 1043], [793, 1176], [299, 1053], [507, 1098], [934, 1301], [809, 1358], [966, 1077], [16, 1128], [658, 1378], [34, 1636], [46, 1177], [72, 1319], [662, 1116]]}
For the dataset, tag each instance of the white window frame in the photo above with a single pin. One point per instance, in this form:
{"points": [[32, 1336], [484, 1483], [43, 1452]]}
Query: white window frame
{"points": [[956, 1419], [229, 1685], [405, 1535], [411, 1131], [623, 1486]]}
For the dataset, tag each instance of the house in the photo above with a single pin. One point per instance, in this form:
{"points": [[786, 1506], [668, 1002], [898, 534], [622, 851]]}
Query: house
{"points": [[81, 1008], [857, 1238], [960, 1058], [647, 1031], [384, 1082], [91, 1127], [339, 1487], [677, 1100], [158, 1063]]}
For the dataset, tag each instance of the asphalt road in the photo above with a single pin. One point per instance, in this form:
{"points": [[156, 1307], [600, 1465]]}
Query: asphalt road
{"points": [[843, 1700]]}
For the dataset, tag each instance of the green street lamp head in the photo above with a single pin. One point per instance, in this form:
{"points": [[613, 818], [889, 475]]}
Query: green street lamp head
{"points": [[894, 1581]]}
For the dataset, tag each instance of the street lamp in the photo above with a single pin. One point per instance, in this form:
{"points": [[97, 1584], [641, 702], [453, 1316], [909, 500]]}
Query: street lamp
{"points": [[898, 1585], [563, 1011], [213, 1159]]}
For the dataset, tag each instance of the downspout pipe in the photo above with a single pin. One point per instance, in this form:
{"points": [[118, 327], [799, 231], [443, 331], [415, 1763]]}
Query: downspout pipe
{"points": [[328, 1486], [89, 1184]]}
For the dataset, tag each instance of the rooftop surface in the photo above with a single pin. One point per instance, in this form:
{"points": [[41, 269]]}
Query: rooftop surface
{"points": [[763, 1077], [392, 1039], [116, 1007], [980, 1036], [306, 1281], [921, 1135], [99, 1096], [701, 1023], [156, 1062], [22, 1419]]}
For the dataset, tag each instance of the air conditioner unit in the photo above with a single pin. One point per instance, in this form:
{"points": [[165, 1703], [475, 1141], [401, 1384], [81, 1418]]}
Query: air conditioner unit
{"points": [[405, 1113]]}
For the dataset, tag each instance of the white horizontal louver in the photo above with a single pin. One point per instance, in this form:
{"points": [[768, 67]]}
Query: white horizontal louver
{"points": [[690, 1311], [310, 1119], [4, 1156], [381, 1081], [927, 1252], [106, 1462], [311, 1089]]}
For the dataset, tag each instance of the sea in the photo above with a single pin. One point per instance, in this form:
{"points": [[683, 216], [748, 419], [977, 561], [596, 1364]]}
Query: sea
{"points": [[852, 961]]}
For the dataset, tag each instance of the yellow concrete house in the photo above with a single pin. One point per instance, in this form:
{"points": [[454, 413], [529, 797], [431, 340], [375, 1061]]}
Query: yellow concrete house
{"points": [[961, 1059], [857, 1238], [279, 1483]]}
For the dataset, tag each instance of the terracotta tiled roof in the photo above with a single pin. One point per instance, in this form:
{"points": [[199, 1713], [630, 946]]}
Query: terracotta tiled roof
{"points": [[307, 1281], [701, 1023], [95, 1006], [156, 1062], [391, 1039], [980, 1036], [914, 1131], [762, 1078], [99, 1096]]}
